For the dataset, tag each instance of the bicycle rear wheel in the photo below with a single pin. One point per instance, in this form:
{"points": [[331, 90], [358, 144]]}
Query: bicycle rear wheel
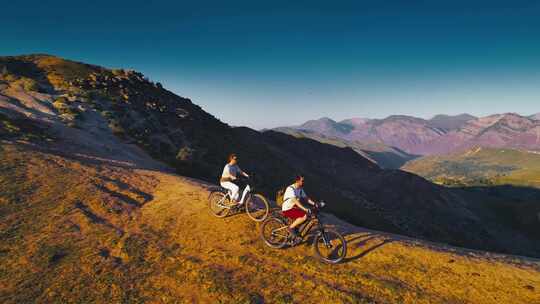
{"points": [[218, 202], [274, 232], [257, 207], [330, 246]]}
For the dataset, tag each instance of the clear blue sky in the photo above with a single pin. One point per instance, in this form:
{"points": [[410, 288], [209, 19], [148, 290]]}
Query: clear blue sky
{"points": [[265, 65]]}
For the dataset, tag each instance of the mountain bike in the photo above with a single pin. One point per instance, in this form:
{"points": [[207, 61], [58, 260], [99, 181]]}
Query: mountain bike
{"points": [[256, 205], [329, 245]]}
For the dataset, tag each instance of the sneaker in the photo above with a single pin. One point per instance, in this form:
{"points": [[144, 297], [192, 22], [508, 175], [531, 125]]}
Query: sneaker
{"points": [[292, 232], [294, 238], [296, 241], [235, 205]]}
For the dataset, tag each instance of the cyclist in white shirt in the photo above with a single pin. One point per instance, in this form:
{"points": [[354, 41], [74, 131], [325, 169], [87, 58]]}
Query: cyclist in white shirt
{"points": [[230, 174], [292, 206]]}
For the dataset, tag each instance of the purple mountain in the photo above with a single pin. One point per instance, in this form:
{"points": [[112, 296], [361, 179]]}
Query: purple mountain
{"points": [[507, 130], [449, 122], [535, 116], [440, 135]]}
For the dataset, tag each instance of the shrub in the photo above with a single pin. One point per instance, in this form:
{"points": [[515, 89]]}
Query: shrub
{"points": [[50, 255], [117, 128], [64, 108], [95, 94], [30, 84], [108, 114], [118, 72], [23, 82], [135, 247], [61, 100], [185, 154]]}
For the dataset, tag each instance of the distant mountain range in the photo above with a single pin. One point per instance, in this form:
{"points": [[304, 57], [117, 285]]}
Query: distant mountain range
{"points": [[442, 134], [535, 116]]}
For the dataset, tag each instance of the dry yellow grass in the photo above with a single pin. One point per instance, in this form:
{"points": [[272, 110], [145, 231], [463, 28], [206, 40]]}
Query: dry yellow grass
{"points": [[76, 231]]}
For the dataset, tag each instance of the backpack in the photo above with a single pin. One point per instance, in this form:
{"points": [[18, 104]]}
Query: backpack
{"points": [[279, 196]]}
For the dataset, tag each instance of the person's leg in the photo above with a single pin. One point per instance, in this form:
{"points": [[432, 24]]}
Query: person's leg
{"points": [[298, 216], [233, 188], [235, 192], [297, 222]]}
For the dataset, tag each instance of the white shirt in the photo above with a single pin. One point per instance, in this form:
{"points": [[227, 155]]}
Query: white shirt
{"points": [[230, 171], [290, 193]]}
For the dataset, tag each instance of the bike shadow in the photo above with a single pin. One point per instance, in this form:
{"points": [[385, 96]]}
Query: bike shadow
{"points": [[360, 242], [235, 212], [360, 247]]}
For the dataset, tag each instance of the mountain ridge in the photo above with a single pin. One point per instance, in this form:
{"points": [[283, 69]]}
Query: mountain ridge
{"points": [[441, 134]]}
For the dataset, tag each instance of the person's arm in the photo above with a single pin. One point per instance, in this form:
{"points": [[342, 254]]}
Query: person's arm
{"points": [[225, 175], [242, 171], [230, 175], [307, 198], [299, 205]]}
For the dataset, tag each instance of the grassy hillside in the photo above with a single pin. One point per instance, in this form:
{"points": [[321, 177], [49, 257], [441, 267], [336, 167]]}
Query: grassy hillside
{"points": [[480, 166], [79, 229]]}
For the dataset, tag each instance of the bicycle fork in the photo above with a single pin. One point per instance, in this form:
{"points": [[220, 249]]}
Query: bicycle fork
{"points": [[325, 239]]}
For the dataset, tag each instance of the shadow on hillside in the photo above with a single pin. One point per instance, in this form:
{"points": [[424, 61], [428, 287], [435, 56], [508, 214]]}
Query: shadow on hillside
{"points": [[96, 219], [142, 197], [91, 158], [511, 206], [124, 198], [361, 244], [390, 160], [515, 192]]}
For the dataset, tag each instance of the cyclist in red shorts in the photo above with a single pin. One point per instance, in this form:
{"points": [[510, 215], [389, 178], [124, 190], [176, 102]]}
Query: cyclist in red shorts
{"points": [[292, 206]]}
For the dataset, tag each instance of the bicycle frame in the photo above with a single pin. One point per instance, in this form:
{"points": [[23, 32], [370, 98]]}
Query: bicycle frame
{"points": [[245, 193], [276, 235], [306, 227]]}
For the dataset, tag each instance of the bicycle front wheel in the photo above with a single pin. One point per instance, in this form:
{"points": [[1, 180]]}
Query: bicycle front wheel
{"points": [[257, 207], [330, 246], [217, 202], [274, 232]]}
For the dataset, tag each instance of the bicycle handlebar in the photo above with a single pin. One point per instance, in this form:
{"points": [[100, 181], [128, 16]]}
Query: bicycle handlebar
{"points": [[315, 209]]}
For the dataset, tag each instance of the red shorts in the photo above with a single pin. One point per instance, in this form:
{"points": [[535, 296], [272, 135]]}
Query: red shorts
{"points": [[294, 213]]}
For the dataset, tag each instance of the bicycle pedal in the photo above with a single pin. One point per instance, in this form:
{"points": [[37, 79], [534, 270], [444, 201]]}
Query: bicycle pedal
{"points": [[295, 241]]}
